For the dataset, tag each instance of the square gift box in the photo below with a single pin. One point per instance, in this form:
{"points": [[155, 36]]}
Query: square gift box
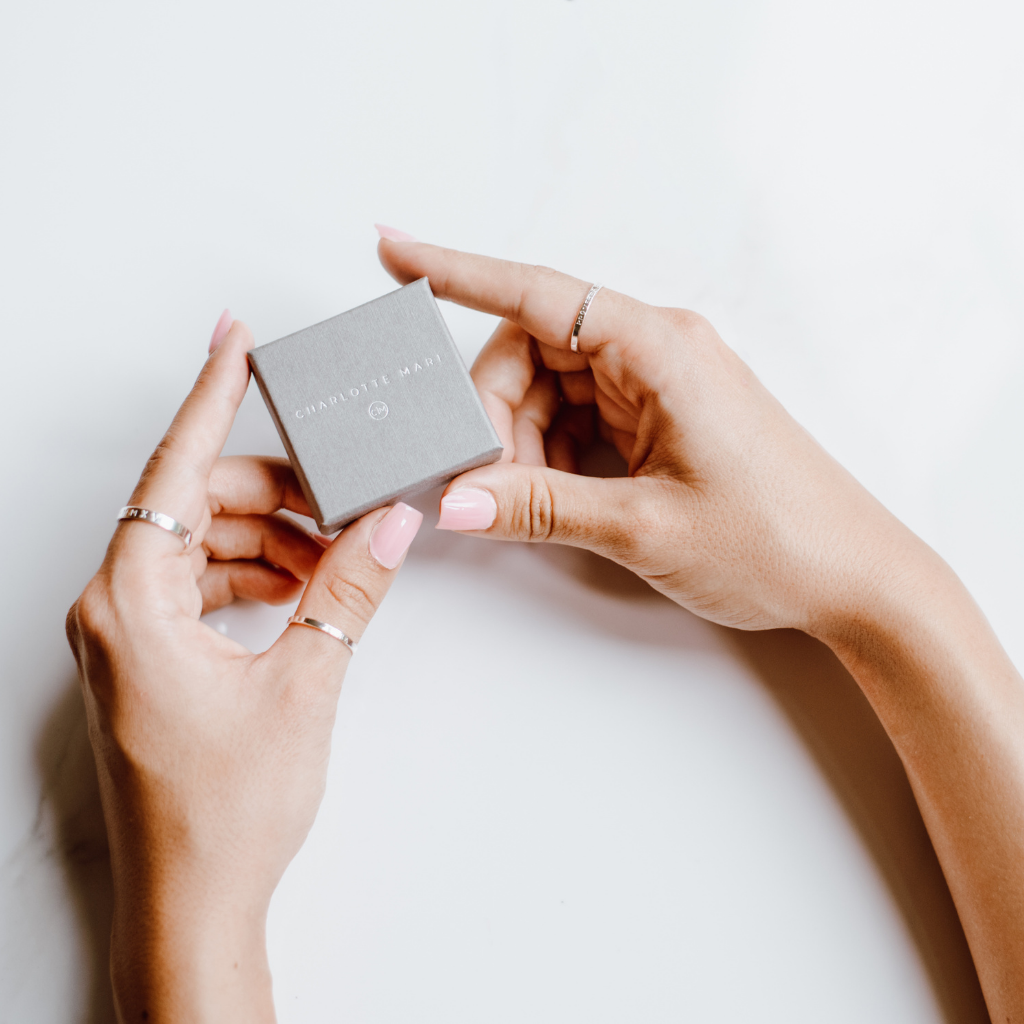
{"points": [[374, 405]]}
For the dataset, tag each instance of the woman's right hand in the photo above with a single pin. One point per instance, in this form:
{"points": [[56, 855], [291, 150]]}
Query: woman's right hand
{"points": [[730, 507]]}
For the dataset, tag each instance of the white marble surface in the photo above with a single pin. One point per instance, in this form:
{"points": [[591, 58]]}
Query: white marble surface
{"points": [[554, 795]]}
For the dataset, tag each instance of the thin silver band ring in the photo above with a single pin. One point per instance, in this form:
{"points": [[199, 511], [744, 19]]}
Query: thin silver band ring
{"points": [[324, 627], [574, 341], [145, 515]]}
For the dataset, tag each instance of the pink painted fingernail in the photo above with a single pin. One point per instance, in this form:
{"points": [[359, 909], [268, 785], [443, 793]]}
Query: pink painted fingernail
{"points": [[467, 509], [221, 330], [393, 233], [394, 534]]}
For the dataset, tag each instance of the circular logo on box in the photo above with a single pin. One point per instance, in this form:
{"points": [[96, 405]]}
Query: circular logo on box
{"points": [[378, 410]]}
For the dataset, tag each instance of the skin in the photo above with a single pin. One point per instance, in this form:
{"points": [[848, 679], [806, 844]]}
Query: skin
{"points": [[730, 508], [211, 760]]}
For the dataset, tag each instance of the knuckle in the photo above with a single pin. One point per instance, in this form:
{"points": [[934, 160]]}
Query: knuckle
{"points": [[649, 530], [629, 539], [90, 616], [543, 276], [441, 282], [353, 596], [706, 347], [521, 275], [529, 278], [166, 451], [534, 513], [152, 464], [162, 456], [173, 450], [685, 318], [71, 629], [687, 323]]}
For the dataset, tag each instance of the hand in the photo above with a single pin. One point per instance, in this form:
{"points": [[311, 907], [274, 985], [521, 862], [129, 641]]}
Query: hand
{"points": [[730, 507], [212, 760], [733, 510]]}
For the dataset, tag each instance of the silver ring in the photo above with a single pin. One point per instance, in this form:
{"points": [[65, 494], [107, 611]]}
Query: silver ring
{"points": [[574, 341], [145, 515], [324, 627]]}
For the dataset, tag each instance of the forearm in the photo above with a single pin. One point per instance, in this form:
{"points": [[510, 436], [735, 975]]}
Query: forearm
{"points": [[953, 705]]}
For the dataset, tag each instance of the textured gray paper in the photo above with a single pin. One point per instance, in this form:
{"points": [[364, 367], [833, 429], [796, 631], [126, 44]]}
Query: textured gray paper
{"points": [[374, 405]]}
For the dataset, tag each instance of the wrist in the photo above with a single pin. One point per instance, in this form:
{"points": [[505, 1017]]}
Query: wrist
{"points": [[177, 955], [920, 648], [953, 704]]}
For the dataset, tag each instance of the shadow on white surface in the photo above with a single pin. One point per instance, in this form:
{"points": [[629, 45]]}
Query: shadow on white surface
{"points": [[833, 718], [818, 696], [70, 808]]}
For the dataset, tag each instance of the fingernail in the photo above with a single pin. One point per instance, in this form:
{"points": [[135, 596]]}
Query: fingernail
{"points": [[394, 534], [221, 330], [393, 233], [323, 541], [467, 509]]}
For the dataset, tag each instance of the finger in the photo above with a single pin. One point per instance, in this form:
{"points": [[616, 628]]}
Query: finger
{"points": [[542, 301], [246, 580], [273, 538], [562, 359], [199, 430], [578, 388], [175, 479], [348, 586], [255, 483], [614, 409], [503, 373], [624, 442], [531, 503], [533, 417], [571, 433]]}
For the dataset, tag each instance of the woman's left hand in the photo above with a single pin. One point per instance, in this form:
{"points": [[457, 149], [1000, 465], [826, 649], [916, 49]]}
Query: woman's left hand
{"points": [[212, 760]]}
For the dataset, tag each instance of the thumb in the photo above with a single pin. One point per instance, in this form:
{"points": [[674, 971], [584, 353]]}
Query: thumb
{"points": [[350, 581], [514, 501]]}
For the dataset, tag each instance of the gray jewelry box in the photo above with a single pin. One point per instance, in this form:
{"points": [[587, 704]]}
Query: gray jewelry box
{"points": [[374, 405]]}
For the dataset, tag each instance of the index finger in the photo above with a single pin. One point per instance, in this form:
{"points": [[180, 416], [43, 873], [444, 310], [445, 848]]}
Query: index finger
{"points": [[202, 424], [176, 477], [542, 301]]}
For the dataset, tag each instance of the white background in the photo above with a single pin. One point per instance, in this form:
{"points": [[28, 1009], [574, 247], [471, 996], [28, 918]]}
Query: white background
{"points": [[554, 796]]}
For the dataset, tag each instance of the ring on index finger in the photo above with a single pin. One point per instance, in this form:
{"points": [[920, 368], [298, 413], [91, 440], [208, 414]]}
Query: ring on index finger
{"points": [[574, 341], [145, 515]]}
